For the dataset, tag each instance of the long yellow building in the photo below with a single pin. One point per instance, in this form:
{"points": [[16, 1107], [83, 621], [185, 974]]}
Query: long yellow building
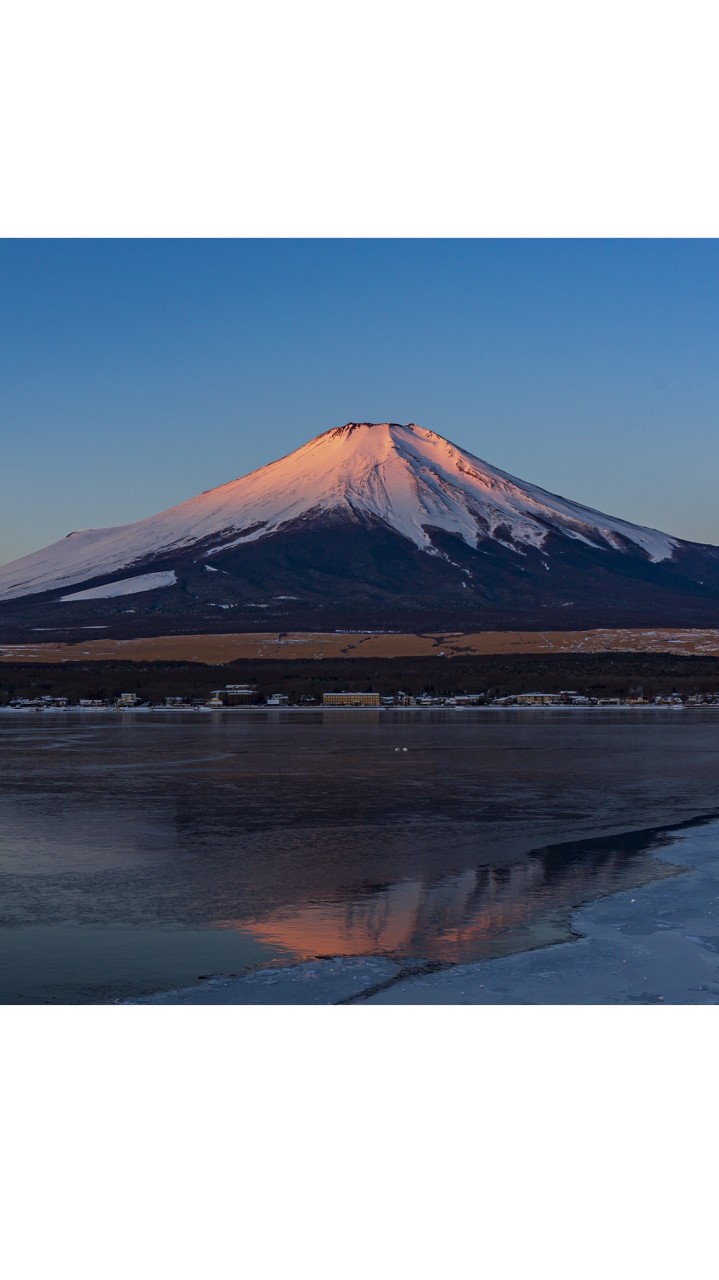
{"points": [[351, 699]]}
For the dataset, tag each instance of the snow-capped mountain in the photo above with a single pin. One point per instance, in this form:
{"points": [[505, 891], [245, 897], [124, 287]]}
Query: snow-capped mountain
{"points": [[368, 523]]}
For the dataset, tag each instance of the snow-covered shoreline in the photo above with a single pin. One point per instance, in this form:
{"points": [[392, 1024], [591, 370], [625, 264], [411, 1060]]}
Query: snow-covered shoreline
{"points": [[156, 709]]}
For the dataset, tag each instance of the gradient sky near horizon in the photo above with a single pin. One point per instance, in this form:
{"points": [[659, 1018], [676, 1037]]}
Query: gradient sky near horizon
{"points": [[136, 373]]}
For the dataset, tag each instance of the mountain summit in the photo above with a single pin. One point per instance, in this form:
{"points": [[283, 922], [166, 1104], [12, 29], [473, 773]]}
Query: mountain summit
{"points": [[368, 525]]}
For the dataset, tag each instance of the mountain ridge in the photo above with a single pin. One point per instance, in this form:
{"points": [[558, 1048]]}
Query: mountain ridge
{"points": [[370, 522]]}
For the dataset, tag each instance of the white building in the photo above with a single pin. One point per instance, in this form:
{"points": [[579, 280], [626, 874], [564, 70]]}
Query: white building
{"points": [[234, 695]]}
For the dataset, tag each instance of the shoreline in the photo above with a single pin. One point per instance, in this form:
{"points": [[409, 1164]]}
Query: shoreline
{"points": [[333, 710], [653, 944]]}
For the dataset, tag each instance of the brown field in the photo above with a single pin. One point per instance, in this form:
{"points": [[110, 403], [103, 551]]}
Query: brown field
{"points": [[218, 649]]}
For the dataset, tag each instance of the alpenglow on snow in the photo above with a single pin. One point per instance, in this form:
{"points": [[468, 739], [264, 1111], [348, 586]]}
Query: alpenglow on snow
{"points": [[370, 525], [410, 479]]}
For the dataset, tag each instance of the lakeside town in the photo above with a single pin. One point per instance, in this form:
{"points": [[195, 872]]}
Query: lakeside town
{"points": [[235, 696]]}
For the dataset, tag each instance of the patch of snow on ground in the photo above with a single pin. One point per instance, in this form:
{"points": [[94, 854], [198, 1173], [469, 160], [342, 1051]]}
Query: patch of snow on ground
{"points": [[126, 586]]}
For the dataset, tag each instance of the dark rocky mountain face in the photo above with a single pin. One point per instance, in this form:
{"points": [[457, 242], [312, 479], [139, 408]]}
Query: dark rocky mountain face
{"points": [[379, 527], [329, 574]]}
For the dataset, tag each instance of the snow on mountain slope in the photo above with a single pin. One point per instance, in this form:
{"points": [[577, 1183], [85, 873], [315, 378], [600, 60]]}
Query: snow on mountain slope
{"points": [[125, 587], [409, 478]]}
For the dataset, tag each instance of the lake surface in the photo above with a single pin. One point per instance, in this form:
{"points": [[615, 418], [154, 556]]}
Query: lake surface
{"points": [[142, 851]]}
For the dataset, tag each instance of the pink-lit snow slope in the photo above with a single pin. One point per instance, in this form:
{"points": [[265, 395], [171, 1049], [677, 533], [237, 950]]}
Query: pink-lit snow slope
{"points": [[406, 476]]}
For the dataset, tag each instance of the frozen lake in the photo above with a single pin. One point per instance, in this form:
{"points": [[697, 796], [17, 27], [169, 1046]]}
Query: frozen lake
{"points": [[140, 852]]}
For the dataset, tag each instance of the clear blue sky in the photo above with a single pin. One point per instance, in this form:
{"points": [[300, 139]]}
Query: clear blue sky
{"points": [[134, 374]]}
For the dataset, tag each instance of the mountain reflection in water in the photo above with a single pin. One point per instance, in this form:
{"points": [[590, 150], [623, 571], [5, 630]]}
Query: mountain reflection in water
{"points": [[139, 851], [484, 911]]}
